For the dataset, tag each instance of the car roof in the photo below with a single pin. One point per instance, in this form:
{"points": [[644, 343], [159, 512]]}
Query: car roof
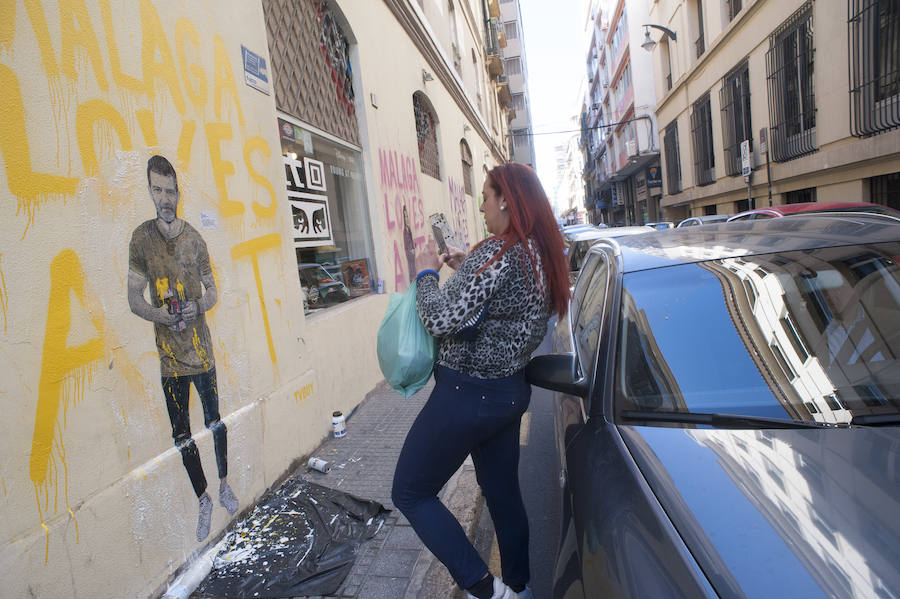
{"points": [[610, 232], [804, 207], [748, 238]]}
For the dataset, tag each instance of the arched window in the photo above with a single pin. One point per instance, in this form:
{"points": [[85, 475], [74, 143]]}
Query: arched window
{"points": [[466, 156], [426, 135]]}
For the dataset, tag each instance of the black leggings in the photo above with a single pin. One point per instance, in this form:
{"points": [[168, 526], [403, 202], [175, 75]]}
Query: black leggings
{"points": [[177, 390]]}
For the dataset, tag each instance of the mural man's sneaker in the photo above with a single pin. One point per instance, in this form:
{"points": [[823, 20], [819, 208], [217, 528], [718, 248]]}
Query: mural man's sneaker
{"points": [[203, 521], [227, 499]]}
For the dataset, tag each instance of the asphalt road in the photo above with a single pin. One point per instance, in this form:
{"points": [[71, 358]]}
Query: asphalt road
{"points": [[539, 476]]}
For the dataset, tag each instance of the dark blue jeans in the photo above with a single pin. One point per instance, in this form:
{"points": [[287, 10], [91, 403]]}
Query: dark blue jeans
{"points": [[466, 415], [177, 390]]}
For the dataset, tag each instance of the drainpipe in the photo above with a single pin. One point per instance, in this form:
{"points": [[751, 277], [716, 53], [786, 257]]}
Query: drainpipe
{"points": [[188, 581]]}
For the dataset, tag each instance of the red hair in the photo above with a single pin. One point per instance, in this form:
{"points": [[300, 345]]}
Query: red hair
{"points": [[530, 216]]}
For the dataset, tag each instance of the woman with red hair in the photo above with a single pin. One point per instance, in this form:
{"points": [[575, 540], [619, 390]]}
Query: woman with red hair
{"points": [[489, 317]]}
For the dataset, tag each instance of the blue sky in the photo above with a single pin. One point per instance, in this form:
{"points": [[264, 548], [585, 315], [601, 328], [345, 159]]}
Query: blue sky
{"points": [[554, 48]]}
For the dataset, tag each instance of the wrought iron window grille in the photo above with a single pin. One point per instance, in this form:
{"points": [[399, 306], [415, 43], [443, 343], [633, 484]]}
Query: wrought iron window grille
{"points": [[874, 64], [790, 76], [701, 134], [426, 136], [734, 98], [673, 161]]}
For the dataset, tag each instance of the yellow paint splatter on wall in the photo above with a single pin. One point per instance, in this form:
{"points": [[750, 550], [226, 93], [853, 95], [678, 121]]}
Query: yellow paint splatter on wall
{"points": [[201, 351]]}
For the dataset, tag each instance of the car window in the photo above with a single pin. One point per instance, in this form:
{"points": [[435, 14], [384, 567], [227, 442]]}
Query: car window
{"points": [[586, 329], [582, 284], [812, 335]]}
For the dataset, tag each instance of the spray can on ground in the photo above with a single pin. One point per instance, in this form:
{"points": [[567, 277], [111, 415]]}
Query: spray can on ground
{"points": [[339, 424], [319, 464]]}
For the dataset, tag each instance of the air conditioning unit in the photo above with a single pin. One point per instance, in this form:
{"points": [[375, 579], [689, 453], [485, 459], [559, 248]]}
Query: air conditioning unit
{"points": [[631, 147]]}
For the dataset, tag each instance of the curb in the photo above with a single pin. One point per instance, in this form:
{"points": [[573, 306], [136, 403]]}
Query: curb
{"points": [[462, 496]]}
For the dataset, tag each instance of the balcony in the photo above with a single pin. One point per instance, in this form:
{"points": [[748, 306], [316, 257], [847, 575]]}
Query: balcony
{"points": [[503, 95], [492, 48]]}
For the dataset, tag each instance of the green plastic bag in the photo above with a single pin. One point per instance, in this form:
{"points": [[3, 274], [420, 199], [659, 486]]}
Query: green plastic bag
{"points": [[405, 349]]}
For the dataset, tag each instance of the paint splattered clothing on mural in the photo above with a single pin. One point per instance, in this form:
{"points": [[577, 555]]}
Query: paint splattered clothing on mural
{"points": [[513, 324], [174, 267]]}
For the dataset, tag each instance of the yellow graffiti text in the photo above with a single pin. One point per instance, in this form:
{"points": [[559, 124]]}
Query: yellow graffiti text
{"points": [[65, 371], [258, 144], [185, 142], [23, 182], [192, 74], [303, 392], [70, 12], [223, 80], [216, 133], [148, 126], [164, 69], [119, 77], [252, 249], [88, 114], [7, 23], [42, 34]]}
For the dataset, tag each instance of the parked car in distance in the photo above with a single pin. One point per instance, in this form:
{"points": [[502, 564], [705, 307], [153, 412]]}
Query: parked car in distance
{"points": [[320, 287], [807, 207], [727, 413], [704, 220], [583, 241], [662, 225]]}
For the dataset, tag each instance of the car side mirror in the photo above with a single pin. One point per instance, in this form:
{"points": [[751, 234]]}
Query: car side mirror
{"points": [[556, 372]]}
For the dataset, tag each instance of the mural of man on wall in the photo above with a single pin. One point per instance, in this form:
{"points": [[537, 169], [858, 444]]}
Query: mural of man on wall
{"points": [[169, 255]]}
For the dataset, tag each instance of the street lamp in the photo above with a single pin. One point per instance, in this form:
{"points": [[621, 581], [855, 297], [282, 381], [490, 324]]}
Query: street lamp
{"points": [[648, 44]]}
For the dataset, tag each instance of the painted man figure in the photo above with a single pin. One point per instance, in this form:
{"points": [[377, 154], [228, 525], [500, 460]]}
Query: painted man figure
{"points": [[169, 255]]}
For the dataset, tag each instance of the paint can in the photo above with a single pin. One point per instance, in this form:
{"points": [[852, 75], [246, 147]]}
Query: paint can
{"points": [[319, 464], [338, 424]]}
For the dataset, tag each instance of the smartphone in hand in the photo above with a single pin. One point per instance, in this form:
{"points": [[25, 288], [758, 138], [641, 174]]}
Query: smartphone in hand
{"points": [[443, 234]]}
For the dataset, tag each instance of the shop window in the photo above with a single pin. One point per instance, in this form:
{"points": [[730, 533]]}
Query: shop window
{"points": [[426, 135], [885, 190], [466, 156], [800, 196], [329, 208]]}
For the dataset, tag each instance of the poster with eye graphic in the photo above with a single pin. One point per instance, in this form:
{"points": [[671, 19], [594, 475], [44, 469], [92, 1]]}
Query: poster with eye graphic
{"points": [[306, 189]]}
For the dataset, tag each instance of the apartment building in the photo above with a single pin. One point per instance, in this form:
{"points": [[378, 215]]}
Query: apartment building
{"points": [[515, 76], [766, 103], [619, 139]]}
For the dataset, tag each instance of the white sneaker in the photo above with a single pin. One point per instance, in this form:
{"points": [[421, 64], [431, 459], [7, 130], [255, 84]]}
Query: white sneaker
{"points": [[501, 591]]}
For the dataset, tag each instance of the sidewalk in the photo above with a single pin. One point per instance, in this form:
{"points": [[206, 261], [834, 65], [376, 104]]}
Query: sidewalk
{"points": [[394, 564]]}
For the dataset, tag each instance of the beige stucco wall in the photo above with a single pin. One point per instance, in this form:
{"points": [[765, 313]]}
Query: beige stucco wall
{"points": [[95, 499]]}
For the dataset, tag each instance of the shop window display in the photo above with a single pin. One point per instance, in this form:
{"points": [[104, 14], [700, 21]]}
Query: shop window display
{"points": [[331, 226]]}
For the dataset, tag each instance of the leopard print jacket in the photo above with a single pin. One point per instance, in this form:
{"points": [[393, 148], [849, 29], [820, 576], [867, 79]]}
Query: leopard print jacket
{"points": [[513, 325]]}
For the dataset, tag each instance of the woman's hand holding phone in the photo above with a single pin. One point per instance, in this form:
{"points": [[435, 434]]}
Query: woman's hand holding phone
{"points": [[454, 257]]}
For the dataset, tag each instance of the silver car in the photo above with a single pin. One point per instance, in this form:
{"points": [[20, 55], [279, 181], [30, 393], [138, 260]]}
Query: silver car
{"points": [[727, 413]]}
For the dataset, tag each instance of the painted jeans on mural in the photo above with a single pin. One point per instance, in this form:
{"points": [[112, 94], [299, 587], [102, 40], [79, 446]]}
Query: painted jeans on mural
{"points": [[177, 391]]}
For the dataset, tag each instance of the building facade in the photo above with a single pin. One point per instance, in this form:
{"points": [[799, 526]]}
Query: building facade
{"points": [[619, 139], [516, 75], [309, 143], [769, 103]]}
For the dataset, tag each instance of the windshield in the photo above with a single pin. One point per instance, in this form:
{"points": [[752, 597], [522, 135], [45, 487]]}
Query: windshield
{"points": [[811, 335]]}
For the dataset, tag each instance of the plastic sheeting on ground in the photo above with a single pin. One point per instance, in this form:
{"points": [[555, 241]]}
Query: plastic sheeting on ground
{"points": [[300, 540]]}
